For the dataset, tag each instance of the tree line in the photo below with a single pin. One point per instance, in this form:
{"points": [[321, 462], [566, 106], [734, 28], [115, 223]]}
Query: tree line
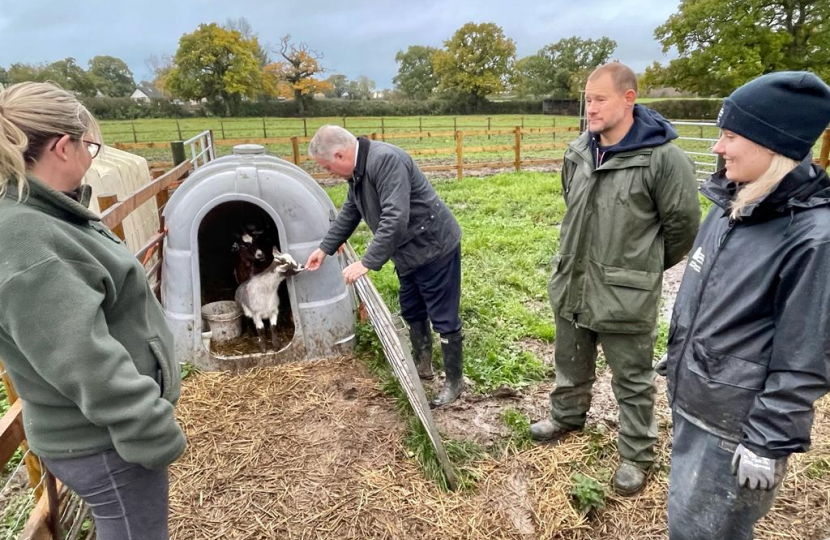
{"points": [[721, 44]]}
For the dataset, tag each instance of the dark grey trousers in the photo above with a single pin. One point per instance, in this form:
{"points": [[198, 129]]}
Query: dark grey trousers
{"points": [[128, 502], [630, 357], [705, 501]]}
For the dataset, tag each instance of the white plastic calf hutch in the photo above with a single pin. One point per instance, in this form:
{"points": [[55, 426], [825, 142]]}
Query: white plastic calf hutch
{"points": [[204, 216]]}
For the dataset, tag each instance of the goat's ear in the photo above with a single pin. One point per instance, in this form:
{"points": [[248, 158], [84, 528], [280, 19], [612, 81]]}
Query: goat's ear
{"points": [[275, 252], [235, 247]]}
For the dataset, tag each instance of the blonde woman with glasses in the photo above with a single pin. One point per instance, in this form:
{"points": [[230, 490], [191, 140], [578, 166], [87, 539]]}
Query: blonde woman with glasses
{"points": [[83, 338], [749, 342]]}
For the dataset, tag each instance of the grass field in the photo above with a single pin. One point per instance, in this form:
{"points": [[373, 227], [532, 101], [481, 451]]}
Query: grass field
{"points": [[433, 134]]}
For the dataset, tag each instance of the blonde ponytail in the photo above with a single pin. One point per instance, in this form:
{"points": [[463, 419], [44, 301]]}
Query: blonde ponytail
{"points": [[31, 115]]}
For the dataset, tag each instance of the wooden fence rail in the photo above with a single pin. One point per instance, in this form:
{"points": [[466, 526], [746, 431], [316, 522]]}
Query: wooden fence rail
{"points": [[229, 129]]}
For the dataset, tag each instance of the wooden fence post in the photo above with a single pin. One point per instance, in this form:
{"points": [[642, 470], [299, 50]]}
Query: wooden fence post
{"points": [[518, 148], [222, 126], [105, 201], [455, 123], [488, 128], [32, 462], [344, 123], [305, 128], [382, 129], [459, 152], [179, 129], [135, 135], [523, 126], [295, 149], [825, 149], [264, 131], [421, 128]]}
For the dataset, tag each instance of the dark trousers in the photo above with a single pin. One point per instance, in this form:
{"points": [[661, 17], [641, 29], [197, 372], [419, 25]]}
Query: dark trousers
{"points": [[630, 358], [128, 502], [705, 501], [434, 291]]}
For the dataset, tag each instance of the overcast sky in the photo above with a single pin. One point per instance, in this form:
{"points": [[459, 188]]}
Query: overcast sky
{"points": [[356, 37]]}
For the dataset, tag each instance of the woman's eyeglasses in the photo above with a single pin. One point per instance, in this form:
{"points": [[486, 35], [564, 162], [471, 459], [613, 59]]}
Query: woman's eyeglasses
{"points": [[92, 147]]}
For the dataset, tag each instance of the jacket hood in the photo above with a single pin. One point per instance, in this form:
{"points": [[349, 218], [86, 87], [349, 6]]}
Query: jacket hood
{"points": [[806, 186], [650, 129]]}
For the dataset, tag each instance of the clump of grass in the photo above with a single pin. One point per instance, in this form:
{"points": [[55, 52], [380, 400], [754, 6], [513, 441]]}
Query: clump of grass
{"points": [[588, 495], [519, 425], [818, 469]]}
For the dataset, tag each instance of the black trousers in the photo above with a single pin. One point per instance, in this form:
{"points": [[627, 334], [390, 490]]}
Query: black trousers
{"points": [[433, 291], [705, 500]]}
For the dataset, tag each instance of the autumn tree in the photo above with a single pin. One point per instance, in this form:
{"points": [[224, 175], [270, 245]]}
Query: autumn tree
{"points": [[296, 74], [111, 76], [216, 64], [245, 30], [561, 69], [477, 60], [724, 43], [416, 73]]}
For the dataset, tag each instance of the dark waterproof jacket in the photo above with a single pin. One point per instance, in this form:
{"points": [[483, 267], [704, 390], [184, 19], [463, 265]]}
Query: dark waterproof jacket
{"points": [[749, 342], [633, 211], [410, 223]]}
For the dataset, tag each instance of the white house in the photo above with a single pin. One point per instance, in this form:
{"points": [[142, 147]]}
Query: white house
{"points": [[146, 93]]}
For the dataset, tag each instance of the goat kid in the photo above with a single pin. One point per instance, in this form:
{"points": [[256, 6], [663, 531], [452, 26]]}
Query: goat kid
{"points": [[258, 296], [253, 253]]}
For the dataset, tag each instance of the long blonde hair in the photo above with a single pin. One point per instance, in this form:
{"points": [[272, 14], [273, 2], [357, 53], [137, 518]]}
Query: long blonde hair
{"points": [[752, 192], [32, 114]]}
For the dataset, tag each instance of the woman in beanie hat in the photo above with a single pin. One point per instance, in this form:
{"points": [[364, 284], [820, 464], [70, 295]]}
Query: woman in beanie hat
{"points": [[749, 340]]}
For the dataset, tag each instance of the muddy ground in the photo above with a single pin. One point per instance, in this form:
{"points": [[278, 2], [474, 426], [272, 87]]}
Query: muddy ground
{"points": [[315, 450]]}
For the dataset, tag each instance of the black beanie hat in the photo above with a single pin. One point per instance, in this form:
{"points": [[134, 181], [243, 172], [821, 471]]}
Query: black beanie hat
{"points": [[784, 111]]}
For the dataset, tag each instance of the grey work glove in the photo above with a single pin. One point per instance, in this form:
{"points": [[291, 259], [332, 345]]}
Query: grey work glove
{"points": [[661, 365], [754, 471]]}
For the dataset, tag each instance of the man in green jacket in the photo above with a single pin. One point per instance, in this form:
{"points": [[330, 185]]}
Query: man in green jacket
{"points": [[633, 212]]}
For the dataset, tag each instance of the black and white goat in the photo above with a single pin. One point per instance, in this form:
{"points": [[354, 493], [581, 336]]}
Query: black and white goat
{"points": [[258, 296], [253, 248]]}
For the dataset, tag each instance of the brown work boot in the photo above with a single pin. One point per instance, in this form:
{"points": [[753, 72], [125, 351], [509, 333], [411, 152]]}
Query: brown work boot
{"points": [[629, 479]]}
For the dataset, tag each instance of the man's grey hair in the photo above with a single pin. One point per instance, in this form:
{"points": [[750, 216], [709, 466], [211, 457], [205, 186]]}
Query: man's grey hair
{"points": [[328, 140]]}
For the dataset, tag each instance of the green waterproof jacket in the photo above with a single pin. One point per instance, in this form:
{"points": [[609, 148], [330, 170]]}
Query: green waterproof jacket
{"points": [[83, 338], [627, 220]]}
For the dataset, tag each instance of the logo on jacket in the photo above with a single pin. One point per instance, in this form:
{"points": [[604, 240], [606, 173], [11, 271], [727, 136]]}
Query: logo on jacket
{"points": [[697, 260]]}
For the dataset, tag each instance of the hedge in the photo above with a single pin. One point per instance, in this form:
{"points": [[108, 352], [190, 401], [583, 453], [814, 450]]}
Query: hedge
{"points": [[127, 109], [687, 109]]}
